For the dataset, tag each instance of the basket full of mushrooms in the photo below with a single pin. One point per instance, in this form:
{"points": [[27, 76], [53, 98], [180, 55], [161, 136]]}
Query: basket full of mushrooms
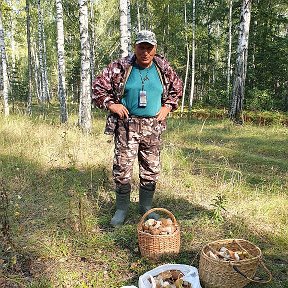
{"points": [[231, 263], [158, 237]]}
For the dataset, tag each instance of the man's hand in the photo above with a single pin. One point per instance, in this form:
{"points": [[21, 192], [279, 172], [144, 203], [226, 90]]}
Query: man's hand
{"points": [[163, 112], [119, 109]]}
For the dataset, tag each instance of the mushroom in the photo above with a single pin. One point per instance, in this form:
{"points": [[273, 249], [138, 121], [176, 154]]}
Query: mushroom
{"points": [[176, 274], [212, 255], [225, 253], [167, 229]]}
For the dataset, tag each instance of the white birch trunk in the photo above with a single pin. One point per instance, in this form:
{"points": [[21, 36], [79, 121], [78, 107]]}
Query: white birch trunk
{"points": [[124, 42], [85, 86], [45, 80], [43, 96], [129, 27], [28, 29], [138, 17], [61, 63], [187, 63], [193, 57], [92, 39], [37, 73], [241, 64], [4, 69], [229, 72]]}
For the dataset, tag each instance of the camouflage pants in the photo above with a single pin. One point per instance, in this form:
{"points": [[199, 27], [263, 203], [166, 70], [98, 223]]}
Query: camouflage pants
{"points": [[137, 138]]}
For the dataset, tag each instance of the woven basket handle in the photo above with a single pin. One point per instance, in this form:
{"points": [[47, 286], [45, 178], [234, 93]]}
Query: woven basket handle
{"points": [[253, 280], [158, 209]]}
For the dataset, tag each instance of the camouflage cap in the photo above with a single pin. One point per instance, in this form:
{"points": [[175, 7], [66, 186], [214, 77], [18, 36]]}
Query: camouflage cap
{"points": [[146, 36]]}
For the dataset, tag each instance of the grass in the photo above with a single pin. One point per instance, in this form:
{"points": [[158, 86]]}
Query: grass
{"points": [[55, 228]]}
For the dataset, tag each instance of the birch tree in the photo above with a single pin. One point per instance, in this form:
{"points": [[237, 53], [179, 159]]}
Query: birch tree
{"points": [[124, 29], [193, 56], [229, 48], [241, 64], [92, 39], [36, 70], [61, 62], [29, 58], [138, 16], [45, 67], [43, 95], [129, 26], [85, 86], [188, 59], [4, 72]]}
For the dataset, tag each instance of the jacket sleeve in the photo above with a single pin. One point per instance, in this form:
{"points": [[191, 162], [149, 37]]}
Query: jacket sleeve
{"points": [[102, 88], [174, 87]]}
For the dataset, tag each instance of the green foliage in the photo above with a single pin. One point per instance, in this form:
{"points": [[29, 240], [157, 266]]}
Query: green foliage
{"points": [[219, 205], [266, 88], [266, 85], [260, 100]]}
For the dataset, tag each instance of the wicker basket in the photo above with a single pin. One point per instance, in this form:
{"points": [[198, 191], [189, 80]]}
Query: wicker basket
{"points": [[230, 274], [154, 246]]}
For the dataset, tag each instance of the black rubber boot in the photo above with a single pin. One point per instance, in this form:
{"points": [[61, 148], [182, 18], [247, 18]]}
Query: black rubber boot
{"points": [[122, 204], [146, 193]]}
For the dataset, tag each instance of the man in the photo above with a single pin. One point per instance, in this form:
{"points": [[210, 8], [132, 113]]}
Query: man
{"points": [[139, 91]]}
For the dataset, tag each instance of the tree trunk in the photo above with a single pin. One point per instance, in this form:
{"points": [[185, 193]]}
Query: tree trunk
{"points": [[145, 15], [45, 80], [37, 72], [229, 72], [209, 67], [92, 39], [187, 63], [61, 62], [28, 20], [129, 27], [124, 38], [241, 64], [138, 17], [43, 95], [4, 69], [85, 87], [193, 56]]}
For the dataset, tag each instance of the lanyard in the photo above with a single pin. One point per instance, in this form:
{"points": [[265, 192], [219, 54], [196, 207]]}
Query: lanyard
{"points": [[145, 78]]}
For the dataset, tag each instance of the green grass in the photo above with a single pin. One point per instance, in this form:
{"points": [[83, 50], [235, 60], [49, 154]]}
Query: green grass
{"points": [[60, 199]]}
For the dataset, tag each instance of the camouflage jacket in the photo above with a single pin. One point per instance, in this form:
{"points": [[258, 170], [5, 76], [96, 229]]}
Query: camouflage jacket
{"points": [[108, 87]]}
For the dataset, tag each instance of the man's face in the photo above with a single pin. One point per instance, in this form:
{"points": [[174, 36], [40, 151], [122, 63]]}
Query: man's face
{"points": [[145, 53]]}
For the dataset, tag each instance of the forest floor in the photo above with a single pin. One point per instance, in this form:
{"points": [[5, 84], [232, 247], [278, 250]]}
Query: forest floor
{"points": [[218, 179]]}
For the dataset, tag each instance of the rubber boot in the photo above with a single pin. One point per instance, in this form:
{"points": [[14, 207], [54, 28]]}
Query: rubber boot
{"points": [[122, 204], [146, 193]]}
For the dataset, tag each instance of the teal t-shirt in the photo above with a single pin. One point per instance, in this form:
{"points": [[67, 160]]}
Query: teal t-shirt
{"points": [[148, 80]]}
